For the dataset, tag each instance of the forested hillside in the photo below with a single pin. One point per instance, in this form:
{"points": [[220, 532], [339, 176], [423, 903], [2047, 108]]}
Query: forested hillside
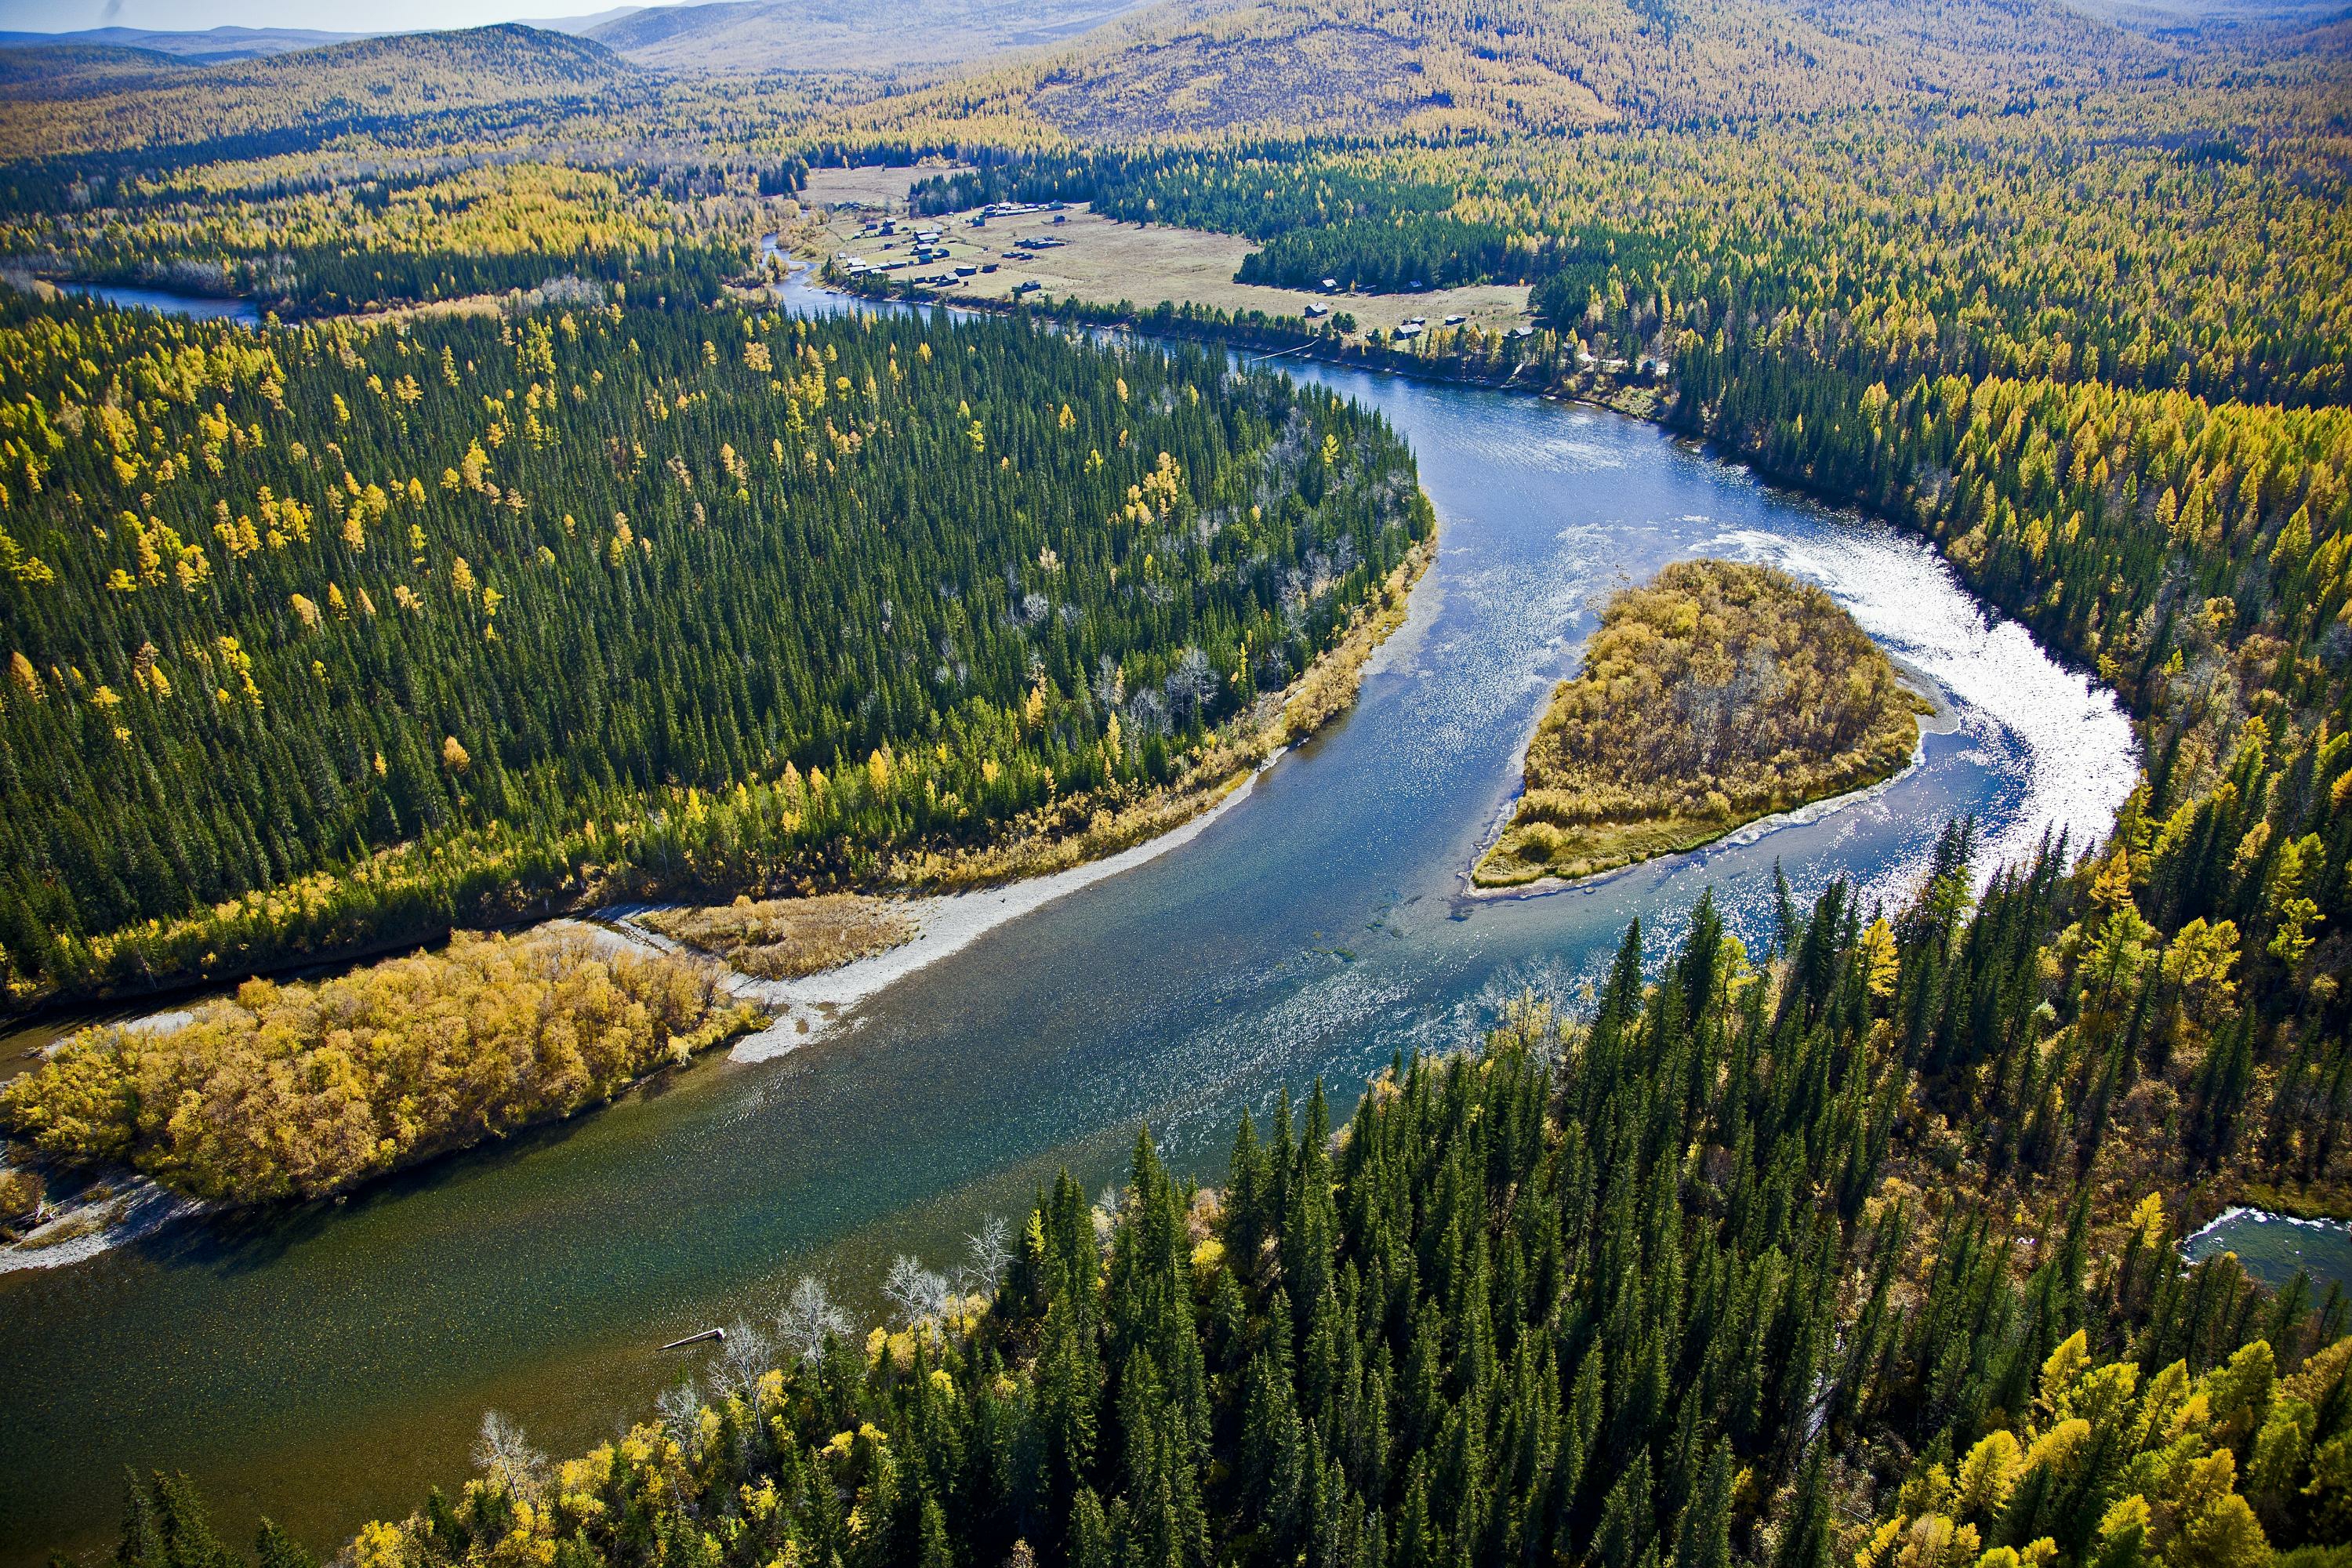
{"points": [[368, 83], [404, 232], [1751, 1262], [327, 635], [734, 37], [1193, 70]]}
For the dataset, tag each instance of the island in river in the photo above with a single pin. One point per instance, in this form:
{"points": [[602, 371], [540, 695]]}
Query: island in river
{"points": [[1719, 693]]}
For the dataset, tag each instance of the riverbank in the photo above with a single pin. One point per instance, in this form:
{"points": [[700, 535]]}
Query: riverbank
{"points": [[1073, 832], [1284, 337], [947, 903], [282, 1095], [1738, 835]]}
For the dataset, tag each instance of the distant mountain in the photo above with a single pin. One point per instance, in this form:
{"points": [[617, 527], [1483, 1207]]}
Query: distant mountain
{"points": [[212, 46], [1210, 67], [106, 99], [44, 67], [576, 26], [2198, 16], [844, 34]]}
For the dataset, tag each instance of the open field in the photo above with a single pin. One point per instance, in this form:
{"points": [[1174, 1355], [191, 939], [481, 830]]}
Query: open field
{"points": [[874, 186], [1101, 261]]}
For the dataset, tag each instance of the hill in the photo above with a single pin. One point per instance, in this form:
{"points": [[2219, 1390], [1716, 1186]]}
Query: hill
{"points": [[837, 34], [212, 46], [65, 69], [106, 102], [1213, 67]]}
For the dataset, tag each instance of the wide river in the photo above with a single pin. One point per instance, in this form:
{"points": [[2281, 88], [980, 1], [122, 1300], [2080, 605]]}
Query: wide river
{"points": [[329, 1366]]}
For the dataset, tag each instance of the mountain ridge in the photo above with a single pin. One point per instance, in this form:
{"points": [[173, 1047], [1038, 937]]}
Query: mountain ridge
{"points": [[1219, 68], [209, 45], [116, 101], [737, 35]]}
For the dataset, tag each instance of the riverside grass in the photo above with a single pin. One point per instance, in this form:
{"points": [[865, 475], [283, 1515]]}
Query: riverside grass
{"points": [[785, 939], [1719, 693]]}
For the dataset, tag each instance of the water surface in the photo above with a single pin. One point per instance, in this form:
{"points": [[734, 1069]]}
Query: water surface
{"points": [[2274, 1247], [195, 306], [332, 1365]]}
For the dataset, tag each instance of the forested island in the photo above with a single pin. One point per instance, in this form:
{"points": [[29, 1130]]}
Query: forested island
{"points": [[1718, 692]]}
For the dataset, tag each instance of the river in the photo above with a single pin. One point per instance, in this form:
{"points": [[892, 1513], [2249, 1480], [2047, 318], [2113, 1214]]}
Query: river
{"points": [[330, 1365]]}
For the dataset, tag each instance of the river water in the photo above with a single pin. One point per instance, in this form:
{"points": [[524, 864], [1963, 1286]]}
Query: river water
{"points": [[330, 1365], [2275, 1248]]}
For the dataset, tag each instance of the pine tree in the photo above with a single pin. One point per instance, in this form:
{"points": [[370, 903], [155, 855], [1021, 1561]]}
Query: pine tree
{"points": [[1703, 1534]]}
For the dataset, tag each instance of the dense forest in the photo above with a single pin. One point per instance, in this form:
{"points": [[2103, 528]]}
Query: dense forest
{"points": [[1197, 71], [2059, 339], [1857, 1245], [384, 241], [1714, 694], [384, 628]]}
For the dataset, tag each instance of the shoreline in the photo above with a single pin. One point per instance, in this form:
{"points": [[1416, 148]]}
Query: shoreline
{"points": [[808, 1008], [953, 917], [118, 1202]]}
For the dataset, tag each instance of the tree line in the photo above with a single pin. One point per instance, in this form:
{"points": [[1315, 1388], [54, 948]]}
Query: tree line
{"points": [[380, 628]]}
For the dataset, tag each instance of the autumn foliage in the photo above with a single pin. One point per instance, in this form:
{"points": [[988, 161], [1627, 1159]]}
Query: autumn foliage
{"points": [[1719, 693], [300, 1090]]}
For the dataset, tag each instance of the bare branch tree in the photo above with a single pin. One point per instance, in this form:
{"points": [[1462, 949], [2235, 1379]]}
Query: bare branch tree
{"points": [[506, 1458], [991, 1252], [745, 1358], [914, 1290], [680, 1408], [809, 1318]]}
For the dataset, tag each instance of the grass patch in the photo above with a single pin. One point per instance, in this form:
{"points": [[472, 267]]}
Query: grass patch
{"points": [[783, 938]]}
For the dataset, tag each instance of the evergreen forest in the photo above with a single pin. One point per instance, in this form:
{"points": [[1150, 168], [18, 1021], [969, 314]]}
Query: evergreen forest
{"points": [[327, 637], [1797, 1258]]}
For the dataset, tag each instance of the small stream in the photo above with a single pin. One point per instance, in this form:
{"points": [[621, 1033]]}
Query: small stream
{"points": [[328, 1365]]}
